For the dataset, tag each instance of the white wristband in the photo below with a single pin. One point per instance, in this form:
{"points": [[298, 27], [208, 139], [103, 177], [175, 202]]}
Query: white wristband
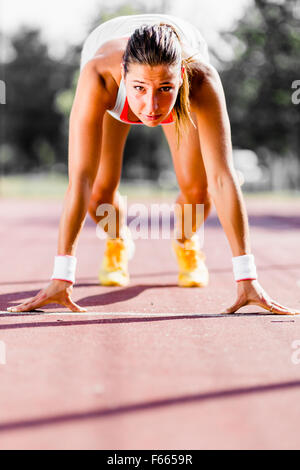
{"points": [[244, 268], [64, 268]]}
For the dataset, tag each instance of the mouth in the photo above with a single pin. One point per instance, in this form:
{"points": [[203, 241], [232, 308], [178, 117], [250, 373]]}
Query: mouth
{"points": [[152, 118]]}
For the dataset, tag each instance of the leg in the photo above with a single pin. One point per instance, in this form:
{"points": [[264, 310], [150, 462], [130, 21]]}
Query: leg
{"points": [[109, 172], [114, 267], [191, 177]]}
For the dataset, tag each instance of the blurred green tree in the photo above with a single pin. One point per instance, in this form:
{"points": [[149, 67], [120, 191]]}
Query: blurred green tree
{"points": [[257, 82], [32, 124], [40, 93]]}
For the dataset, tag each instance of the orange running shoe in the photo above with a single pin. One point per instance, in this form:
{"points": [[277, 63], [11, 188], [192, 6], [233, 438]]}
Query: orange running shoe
{"points": [[191, 262], [114, 267]]}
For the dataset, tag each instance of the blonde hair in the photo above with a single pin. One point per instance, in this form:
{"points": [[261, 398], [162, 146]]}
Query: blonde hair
{"points": [[160, 44]]}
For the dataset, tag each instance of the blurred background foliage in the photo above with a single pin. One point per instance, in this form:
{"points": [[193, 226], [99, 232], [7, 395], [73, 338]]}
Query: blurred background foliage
{"points": [[258, 82], [258, 88]]}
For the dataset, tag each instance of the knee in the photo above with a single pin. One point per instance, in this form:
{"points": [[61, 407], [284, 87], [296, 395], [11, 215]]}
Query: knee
{"points": [[195, 195], [103, 195]]}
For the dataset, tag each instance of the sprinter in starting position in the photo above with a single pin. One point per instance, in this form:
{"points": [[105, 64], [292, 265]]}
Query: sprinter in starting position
{"points": [[152, 70]]}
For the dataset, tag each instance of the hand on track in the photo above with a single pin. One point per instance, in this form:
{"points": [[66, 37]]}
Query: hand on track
{"points": [[251, 293], [57, 292]]}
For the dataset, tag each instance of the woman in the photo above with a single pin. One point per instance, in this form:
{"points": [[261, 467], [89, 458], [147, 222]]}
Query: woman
{"points": [[152, 70]]}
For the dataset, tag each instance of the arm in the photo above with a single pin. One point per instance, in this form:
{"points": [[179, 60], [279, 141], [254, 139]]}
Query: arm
{"points": [[90, 103], [85, 130], [215, 137]]}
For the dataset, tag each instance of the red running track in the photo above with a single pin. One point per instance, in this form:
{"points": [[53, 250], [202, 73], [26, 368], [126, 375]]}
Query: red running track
{"points": [[150, 366]]}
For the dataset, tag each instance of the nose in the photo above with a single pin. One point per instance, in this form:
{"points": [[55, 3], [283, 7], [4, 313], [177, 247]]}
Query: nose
{"points": [[151, 105]]}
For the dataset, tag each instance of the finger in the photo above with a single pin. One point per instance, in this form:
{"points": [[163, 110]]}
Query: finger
{"points": [[277, 304], [292, 310], [74, 307], [267, 303], [19, 308], [280, 311], [276, 310], [29, 305], [27, 302], [40, 302], [285, 310], [236, 306]]}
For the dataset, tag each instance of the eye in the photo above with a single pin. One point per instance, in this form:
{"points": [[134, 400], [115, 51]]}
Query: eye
{"points": [[138, 88], [166, 88]]}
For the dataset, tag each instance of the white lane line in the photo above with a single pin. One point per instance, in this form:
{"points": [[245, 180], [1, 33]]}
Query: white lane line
{"points": [[97, 314], [139, 314], [110, 314]]}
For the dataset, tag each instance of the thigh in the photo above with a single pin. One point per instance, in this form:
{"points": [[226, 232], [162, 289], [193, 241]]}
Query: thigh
{"points": [[187, 159], [114, 134]]}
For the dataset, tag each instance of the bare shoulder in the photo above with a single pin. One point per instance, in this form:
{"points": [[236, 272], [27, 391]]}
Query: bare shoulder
{"points": [[91, 97], [108, 57], [106, 64], [205, 83], [97, 77]]}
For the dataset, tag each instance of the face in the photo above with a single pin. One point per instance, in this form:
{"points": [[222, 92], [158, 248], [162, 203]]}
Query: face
{"points": [[152, 91]]}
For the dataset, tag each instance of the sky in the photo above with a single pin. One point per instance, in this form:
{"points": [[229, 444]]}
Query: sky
{"points": [[65, 22]]}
